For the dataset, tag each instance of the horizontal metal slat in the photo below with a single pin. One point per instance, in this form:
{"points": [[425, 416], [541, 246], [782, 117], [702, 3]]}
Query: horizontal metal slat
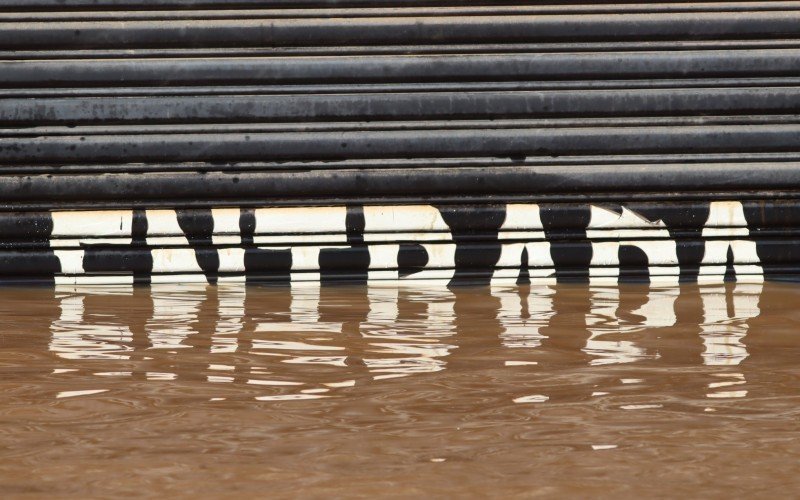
{"points": [[286, 70], [513, 143], [493, 184], [384, 9], [388, 31], [396, 106], [306, 4]]}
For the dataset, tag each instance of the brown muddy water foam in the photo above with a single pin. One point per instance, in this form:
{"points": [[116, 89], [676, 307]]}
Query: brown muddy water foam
{"points": [[400, 392]]}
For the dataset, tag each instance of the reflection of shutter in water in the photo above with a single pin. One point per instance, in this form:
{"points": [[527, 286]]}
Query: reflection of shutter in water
{"points": [[726, 312], [606, 343], [79, 334], [615, 316], [523, 315], [400, 341], [174, 316]]}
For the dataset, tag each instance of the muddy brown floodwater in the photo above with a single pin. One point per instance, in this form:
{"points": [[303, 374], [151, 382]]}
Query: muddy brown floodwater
{"points": [[400, 392]]}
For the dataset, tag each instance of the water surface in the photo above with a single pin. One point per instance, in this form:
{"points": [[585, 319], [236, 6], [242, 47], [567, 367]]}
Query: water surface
{"points": [[361, 391]]}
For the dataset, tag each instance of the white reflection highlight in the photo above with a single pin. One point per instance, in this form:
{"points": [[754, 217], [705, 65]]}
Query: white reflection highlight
{"points": [[523, 316], [287, 345], [231, 316], [737, 379], [728, 394], [72, 394], [290, 397], [603, 324], [533, 398], [318, 360], [174, 314], [388, 332], [725, 315], [609, 324], [76, 335], [272, 382], [408, 344]]}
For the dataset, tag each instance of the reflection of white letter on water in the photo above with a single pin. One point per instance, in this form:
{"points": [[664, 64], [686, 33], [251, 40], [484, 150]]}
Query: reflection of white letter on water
{"points": [[607, 343], [418, 343], [724, 324], [312, 338], [78, 334]]}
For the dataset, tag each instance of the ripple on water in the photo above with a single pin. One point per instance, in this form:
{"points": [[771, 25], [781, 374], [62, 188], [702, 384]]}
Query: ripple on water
{"points": [[215, 390]]}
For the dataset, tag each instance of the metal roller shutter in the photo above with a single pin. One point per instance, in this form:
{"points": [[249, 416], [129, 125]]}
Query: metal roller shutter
{"points": [[303, 140]]}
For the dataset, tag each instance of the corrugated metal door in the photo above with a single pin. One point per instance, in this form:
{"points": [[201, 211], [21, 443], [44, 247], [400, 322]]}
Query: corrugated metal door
{"points": [[300, 140]]}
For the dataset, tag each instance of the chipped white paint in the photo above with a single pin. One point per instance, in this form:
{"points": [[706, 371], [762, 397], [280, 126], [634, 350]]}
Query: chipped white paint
{"points": [[521, 235], [521, 217], [602, 218], [166, 260], [659, 253], [306, 258], [162, 222], [226, 226], [301, 220], [413, 218], [306, 231], [77, 243], [231, 260], [299, 239], [745, 253], [729, 214], [659, 248], [442, 257], [383, 256], [745, 256], [81, 228], [510, 261], [70, 224], [71, 261]]}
